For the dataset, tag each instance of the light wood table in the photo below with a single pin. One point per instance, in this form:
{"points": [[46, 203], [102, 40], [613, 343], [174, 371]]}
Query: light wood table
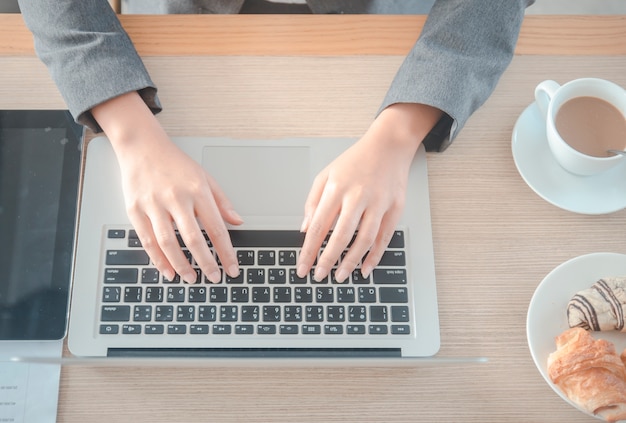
{"points": [[494, 238]]}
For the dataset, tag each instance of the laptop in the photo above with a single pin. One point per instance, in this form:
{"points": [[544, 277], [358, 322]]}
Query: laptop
{"points": [[122, 307]]}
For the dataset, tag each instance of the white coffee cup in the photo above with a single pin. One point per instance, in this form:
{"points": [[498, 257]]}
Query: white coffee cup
{"points": [[550, 96]]}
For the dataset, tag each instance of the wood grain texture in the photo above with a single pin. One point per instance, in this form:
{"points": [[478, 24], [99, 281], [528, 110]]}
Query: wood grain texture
{"points": [[315, 35]]}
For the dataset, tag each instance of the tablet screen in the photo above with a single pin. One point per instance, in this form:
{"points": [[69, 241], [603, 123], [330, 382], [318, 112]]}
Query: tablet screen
{"points": [[39, 177]]}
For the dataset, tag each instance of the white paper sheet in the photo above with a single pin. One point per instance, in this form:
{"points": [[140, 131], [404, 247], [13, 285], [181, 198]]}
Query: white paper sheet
{"points": [[29, 392]]}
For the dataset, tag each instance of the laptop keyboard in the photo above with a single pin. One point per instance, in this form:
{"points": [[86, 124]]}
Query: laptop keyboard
{"points": [[267, 298]]}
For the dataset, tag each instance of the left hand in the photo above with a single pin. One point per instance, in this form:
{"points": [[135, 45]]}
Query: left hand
{"points": [[364, 188]]}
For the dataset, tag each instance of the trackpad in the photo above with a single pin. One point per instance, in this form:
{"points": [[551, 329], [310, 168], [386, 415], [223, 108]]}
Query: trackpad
{"points": [[261, 180]]}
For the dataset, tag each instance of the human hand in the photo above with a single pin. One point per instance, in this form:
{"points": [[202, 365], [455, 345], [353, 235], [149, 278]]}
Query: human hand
{"points": [[163, 189], [363, 188]]}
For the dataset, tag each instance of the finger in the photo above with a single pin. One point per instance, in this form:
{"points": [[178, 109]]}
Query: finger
{"points": [[385, 233], [340, 238], [168, 242], [322, 220], [313, 199], [210, 218], [227, 211], [195, 242], [143, 227], [365, 238]]}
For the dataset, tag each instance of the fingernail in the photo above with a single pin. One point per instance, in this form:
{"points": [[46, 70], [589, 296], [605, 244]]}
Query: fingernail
{"points": [[190, 277], [365, 271], [341, 274], [236, 215], [169, 275], [215, 277], [305, 224], [233, 271], [320, 273], [302, 270]]}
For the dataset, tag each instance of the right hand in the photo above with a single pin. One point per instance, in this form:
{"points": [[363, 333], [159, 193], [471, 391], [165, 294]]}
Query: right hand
{"points": [[165, 189]]}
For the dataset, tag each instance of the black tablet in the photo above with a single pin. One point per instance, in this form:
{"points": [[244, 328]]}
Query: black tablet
{"points": [[40, 160]]}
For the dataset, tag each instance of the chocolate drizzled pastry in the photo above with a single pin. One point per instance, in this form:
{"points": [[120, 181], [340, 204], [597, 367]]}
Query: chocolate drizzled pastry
{"points": [[602, 307]]}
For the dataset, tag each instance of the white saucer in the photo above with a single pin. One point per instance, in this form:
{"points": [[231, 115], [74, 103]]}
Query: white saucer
{"points": [[547, 312], [596, 194]]}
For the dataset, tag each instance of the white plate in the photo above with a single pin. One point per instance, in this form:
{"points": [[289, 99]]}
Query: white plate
{"points": [[547, 313], [596, 194]]}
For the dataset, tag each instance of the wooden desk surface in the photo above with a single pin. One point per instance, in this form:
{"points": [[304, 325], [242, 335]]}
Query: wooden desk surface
{"points": [[495, 239]]}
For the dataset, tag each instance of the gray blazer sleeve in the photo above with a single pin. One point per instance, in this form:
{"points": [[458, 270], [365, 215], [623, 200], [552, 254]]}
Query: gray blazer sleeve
{"points": [[88, 53], [463, 49]]}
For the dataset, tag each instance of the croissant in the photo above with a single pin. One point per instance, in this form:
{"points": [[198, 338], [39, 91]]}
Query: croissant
{"points": [[590, 373], [600, 307]]}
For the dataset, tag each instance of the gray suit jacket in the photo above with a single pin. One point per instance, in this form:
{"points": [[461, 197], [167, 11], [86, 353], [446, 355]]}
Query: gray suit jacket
{"points": [[464, 48]]}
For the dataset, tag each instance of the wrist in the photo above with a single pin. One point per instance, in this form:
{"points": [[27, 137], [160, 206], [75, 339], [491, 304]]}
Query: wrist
{"points": [[405, 125]]}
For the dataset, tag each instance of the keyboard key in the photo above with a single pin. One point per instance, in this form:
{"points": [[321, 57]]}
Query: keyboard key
{"points": [[175, 295], [377, 329], [303, 295], [271, 313], [400, 329], [240, 294], [142, 313], [266, 329], [116, 233], [287, 257], [355, 329], [199, 329], [176, 329], [333, 329], [378, 313], [357, 314], [288, 329], [250, 313], [389, 276], [197, 294], [392, 258], [115, 314], [154, 294], [324, 294], [335, 313], [127, 257], [218, 294], [255, 276], [345, 294], [120, 275], [131, 329], [164, 313], [399, 313], [311, 329], [132, 294], [229, 313], [236, 280], [282, 294], [222, 329], [207, 313], [260, 295], [244, 329], [367, 295], [111, 294], [292, 313], [358, 279], [185, 313], [393, 295], [295, 279], [266, 258], [245, 257], [397, 240], [149, 275], [154, 329], [277, 276], [314, 313], [109, 329]]}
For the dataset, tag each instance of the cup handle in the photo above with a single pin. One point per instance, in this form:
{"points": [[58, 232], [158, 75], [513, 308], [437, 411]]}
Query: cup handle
{"points": [[544, 92]]}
